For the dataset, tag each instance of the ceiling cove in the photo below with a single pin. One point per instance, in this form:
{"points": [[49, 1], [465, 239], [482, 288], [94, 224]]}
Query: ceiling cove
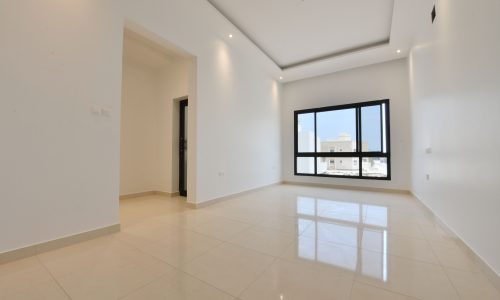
{"points": [[297, 33]]}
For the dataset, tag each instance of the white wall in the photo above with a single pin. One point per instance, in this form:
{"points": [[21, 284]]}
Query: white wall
{"points": [[59, 163], [59, 171], [454, 78], [139, 141], [236, 131], [381, 81]]}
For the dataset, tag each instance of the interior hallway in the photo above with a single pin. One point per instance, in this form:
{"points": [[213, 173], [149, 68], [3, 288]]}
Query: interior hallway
{"points": [[281, 242]]}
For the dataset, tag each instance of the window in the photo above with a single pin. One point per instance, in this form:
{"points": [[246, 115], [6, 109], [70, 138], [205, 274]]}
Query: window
{"points": [[350, 141]]}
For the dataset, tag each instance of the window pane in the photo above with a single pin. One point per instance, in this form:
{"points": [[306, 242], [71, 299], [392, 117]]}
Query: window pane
{"points": [[344, 166], [371, 128], [305, 131], [305, 165], [375, 166], [336, 130]]}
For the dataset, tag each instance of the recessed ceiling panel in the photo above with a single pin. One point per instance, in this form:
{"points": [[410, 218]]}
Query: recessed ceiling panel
{"points": [[293, 32]]}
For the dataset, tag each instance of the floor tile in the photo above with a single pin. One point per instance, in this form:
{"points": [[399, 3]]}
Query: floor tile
{"points": [[28, 279], [188, 219], [289, 280], [286, 241], [451, 255], [264, 240], [472, 286], [323, 254], [181, 248], [222, 228], [229, 268], [362, 291], [105, 275], [333, 233], [412, 278], [287, 224], [178, 286], [398, 245]]}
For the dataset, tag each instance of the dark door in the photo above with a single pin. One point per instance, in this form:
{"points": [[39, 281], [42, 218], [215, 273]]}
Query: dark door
{"points": [[183, 129]]}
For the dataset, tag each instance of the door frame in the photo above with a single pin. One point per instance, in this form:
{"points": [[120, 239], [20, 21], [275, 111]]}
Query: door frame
{"points": [[182, 146]]}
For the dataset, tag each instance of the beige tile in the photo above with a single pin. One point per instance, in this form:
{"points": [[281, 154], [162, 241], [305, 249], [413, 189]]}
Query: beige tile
{"points": [[229, 268], [178, 286], [289, 280], [287, 224], [112, 282], [472, 286], [48, 290], [28, 279], [323, 254], [398, 245], [222, 228], [103, 252], [188, 219], [405, 228], [264, 240], [362, 291], [152, 229], [436, 233], [333, 233], [413, 278], [322, 244], [451, 255], [236, 213], [181, 248]]}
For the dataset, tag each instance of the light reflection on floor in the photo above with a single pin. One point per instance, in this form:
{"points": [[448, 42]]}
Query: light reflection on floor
{"points": [[344, 223]]}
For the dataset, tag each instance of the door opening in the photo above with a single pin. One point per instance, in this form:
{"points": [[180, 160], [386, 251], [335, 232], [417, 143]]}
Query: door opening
{"points": [[183, 144]]}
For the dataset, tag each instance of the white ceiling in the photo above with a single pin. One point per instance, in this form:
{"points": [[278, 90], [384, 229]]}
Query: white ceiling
{"points": [[306, 38], [296, 31]]}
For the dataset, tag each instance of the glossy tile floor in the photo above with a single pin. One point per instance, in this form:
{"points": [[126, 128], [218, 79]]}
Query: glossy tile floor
{"points": [[282, 242]]}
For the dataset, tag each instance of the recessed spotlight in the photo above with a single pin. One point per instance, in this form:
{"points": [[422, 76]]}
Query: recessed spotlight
{"points": [[281, 77], [230, 36], [398, 51]]}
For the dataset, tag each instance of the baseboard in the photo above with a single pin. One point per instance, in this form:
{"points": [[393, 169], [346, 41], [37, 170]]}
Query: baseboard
{"points": [[483, 265], [32, 250], [348, 187], [149, 193], [227, 197]]}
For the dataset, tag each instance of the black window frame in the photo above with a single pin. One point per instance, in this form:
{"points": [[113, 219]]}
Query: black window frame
{"points": [[358, 153]]}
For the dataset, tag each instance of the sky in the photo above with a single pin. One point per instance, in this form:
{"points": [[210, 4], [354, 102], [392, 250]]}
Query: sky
{"points": [[331, 124]]}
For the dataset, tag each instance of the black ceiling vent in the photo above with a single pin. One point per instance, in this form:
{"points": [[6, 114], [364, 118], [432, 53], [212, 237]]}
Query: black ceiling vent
{"points": [[433, 13]]}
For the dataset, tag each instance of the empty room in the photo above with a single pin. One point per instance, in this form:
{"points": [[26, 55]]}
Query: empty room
{"points": [[250, 149]]}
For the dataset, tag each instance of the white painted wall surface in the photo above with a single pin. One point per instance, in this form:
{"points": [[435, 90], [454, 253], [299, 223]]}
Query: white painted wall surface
{"points": [[236, 100], [381, 81], [139, 130], [455, 83], [59, 163]]}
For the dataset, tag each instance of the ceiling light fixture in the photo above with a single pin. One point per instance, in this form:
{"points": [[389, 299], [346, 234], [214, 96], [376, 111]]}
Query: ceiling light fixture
{"points": [[230, 36], [398, 51], [281, 77]]}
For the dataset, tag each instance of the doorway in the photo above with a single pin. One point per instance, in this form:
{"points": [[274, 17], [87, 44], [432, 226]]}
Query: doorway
{"points": [[183, 144], [154, 130]]}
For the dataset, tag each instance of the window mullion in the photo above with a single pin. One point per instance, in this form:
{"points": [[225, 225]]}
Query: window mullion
{"points": [[315, 146], [359, 142]]}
